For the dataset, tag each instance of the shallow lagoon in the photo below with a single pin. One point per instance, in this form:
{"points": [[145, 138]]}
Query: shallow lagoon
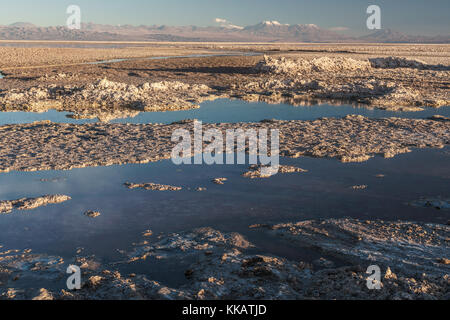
{"points": [[231, 111], [324, 192]]}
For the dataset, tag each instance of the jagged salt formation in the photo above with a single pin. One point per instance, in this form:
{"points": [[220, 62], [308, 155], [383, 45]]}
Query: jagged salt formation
{"points": [[107, 99]]}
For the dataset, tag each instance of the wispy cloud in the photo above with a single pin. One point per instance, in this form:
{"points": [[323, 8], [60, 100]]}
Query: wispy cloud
{"points": [[227, 24]]}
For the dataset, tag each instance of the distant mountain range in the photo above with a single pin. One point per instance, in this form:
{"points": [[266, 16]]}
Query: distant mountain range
{"points": [[267, 31], [390, 36]]}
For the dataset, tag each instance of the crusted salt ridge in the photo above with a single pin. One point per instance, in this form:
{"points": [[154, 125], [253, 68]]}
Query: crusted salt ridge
{"points": [[51, 146], [31, 203]]}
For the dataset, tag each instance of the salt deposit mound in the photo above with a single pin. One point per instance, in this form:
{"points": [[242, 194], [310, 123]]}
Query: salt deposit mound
{"points": [[323, 64], [396, 62], [338, 64]]}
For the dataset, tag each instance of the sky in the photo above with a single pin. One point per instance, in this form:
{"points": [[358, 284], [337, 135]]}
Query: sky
{"points": [[349, 16]]}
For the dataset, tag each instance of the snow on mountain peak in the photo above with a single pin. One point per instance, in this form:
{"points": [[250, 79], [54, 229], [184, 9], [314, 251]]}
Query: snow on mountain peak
{"points": [[272, 23]]}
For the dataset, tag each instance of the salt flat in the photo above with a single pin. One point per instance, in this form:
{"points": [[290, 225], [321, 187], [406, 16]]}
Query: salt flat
{"points": [[213, 263]]}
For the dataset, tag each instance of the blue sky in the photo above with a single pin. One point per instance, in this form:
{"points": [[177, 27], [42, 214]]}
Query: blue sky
{"points": [[408, 16]]}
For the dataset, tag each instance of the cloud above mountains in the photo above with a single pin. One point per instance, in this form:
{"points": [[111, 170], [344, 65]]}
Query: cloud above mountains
{"points": [[227, 24], [219, 20]]}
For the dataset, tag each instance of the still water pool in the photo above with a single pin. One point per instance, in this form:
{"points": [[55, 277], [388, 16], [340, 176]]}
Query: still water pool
{"points": [[231, 111]]}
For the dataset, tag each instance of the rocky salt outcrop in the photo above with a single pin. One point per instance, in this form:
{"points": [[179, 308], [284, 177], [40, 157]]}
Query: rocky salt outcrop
{"points": [[31, 203], [92, 214], [255, 171], [219, 181], [152, 186]]}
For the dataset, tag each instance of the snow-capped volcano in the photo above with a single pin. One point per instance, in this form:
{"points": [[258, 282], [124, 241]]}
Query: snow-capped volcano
{"points": [[271, 23], [296, 33]]}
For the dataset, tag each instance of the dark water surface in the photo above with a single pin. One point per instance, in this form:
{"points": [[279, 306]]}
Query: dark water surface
{"points": [[324, 192]]}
